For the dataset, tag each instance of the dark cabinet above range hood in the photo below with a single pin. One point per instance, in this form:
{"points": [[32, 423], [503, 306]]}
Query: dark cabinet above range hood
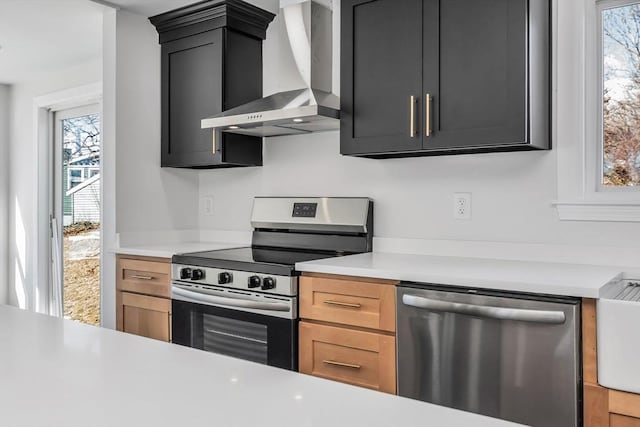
{"points": [[305, 66], [211, 59]]}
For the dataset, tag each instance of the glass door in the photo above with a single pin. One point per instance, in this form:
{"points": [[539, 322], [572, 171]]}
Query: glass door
{"points": [[76, 214]]}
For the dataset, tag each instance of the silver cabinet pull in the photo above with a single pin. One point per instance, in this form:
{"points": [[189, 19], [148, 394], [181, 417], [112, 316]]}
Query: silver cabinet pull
{"points": [[139, 277], [215, 148], [427, 108], [341, 364], [412, 119], [499, 313], [342, 304]]}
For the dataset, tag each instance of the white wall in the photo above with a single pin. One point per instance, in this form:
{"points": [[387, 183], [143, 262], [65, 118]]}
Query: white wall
{"points": [[5, 117], [23, 175], [511, 192], [148, 197], [138, 195]]}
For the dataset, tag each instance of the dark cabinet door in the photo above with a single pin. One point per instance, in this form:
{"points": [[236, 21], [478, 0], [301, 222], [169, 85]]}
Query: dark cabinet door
{"points": [[381, 72], [475, 71], [191, 90]]}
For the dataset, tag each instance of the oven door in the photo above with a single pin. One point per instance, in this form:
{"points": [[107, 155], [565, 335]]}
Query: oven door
{"points": [[238, 324]]}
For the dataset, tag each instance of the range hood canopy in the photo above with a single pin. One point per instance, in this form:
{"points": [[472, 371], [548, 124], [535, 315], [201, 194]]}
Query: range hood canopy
{"points": [[305, 61]]}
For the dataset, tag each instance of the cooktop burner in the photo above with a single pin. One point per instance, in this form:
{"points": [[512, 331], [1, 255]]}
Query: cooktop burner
{"points": [[252, 259]]}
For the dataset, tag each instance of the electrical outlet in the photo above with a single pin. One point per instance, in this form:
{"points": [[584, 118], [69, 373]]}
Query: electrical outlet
{"points": [[462, 205], [206, 205]]}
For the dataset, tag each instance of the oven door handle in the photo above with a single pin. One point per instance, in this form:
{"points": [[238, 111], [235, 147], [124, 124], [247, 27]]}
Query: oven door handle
{"points": [[183, 294]]}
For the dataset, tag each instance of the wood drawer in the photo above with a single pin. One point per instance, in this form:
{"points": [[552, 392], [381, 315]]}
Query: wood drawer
{"points": [[367, 304], [624, 403], [365, 359], [144, 315], [144, 276], [623, 421]]}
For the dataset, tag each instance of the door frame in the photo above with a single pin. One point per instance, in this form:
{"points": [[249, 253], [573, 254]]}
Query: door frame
{"points": [[44, 108]]}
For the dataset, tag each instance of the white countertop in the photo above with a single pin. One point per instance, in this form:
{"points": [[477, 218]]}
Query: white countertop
{"points": [[59, 373], [168, 250], [574, 280]]}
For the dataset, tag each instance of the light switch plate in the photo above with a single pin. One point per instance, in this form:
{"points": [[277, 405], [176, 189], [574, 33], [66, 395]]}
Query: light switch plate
{"points": [[206, 205]]}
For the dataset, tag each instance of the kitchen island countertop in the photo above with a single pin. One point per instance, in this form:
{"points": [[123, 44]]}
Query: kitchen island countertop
{"points": [[59, 373]]}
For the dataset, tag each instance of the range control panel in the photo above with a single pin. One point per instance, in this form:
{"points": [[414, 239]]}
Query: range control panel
{"points": [[241, 280], [305, 210]]}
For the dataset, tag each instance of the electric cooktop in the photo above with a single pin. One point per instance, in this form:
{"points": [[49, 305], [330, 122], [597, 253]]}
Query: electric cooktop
{"points": [[251, 259]]}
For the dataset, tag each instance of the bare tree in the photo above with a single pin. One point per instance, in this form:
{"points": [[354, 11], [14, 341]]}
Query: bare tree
{"points": [[621, 28], [81, 136]]}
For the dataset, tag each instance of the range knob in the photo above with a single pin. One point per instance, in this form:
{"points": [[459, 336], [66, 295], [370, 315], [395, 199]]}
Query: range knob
{"points": [[185, 273], [224, 278], [197, 274], [254, 282], [268, 283]]}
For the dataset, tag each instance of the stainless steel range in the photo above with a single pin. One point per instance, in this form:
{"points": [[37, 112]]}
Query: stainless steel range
{"points": [[242, 302]]}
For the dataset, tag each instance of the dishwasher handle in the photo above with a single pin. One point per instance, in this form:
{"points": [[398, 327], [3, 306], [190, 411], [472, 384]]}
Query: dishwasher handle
{"points": [[499, 313]]}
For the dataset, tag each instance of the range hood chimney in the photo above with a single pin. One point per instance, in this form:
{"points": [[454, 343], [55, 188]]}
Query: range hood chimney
{"points": [[305, 63]]}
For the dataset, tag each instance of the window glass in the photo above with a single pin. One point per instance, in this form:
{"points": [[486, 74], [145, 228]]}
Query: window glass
{"points": [[621, 96]]}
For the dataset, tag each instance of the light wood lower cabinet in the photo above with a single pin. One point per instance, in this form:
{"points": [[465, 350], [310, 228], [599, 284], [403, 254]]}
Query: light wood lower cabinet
{"points": [[146, 316], [347, 330], [356, 357], [143, 290]]}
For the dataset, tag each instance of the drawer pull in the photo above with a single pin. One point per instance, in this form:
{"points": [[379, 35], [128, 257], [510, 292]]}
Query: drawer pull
{"points": [[136, 276], [341, 364], [342, 304]]}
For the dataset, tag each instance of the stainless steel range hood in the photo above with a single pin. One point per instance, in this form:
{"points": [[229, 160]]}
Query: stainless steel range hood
{"points": [[305, 66]]}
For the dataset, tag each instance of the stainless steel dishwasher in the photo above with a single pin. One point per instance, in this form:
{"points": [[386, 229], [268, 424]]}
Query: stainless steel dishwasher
{"points": [[509, 356]]}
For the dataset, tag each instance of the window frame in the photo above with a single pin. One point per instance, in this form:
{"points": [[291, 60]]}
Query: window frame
{"points": [[601, 6], [578, 107]]}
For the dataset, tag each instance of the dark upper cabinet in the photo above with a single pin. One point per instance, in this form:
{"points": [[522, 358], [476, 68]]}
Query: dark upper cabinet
{"points": [[433, 77], [211, 61], [381, 68]]}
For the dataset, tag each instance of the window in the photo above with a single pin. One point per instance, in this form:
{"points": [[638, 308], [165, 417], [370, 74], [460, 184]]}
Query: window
{"points": [[596, 74], [620, 133]]}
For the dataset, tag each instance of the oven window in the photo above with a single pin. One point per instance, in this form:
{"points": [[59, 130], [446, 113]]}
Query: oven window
{"points": [[234, 338]]}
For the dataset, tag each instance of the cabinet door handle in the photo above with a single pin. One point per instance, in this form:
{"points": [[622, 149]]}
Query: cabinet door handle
{"points": [[341, 364], [427, 109], [412, 119], [342, 304], [215, 148], [136, 276]]}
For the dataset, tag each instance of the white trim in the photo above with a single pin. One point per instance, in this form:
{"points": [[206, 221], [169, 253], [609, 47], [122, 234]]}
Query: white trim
{"points": [[84, 184], [71, 98], [88, 156], [108, 172], [598, 211]]}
